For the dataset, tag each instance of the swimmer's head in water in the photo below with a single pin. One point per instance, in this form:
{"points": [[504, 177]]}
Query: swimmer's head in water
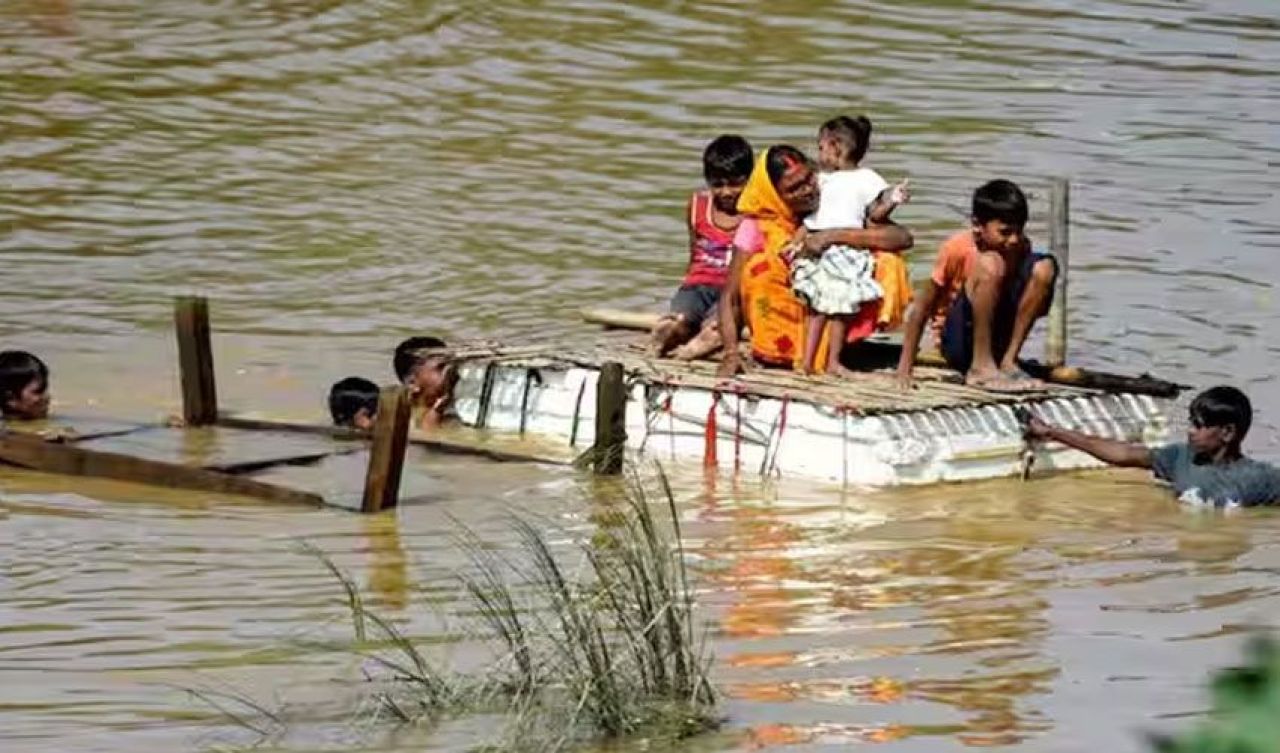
{"points": [[429, 376], [24, 386], [792, 174], [726, 166], [353, 402], [1219, 420]]}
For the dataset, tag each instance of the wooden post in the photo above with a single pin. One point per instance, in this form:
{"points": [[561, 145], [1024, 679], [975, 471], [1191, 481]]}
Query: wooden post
{"points": [[195, 361], [611, 419], [1060, 246], [386, 453]]}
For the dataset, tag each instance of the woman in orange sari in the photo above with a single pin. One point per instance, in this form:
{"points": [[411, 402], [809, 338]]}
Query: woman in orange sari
{"points": [[782, 190]]}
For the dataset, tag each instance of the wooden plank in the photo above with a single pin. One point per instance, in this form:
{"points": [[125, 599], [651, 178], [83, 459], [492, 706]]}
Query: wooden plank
{"points": [[620, 318], [611, 419], [1060, 246], [435, 444], [195, 360], [386, 456], [71, 460]]}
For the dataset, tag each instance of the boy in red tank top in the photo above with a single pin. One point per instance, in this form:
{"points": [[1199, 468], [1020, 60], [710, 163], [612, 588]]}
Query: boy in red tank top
{"points": [[712, 216]]}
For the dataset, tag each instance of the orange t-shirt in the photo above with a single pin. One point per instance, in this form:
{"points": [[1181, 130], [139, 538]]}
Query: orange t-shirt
{"points": [[956, 257]]}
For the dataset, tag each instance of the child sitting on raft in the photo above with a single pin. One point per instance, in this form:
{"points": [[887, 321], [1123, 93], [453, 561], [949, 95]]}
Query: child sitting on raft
{"points": [[24, 386], [353, 403], [712, 217], [429, 376], [836, 284]]}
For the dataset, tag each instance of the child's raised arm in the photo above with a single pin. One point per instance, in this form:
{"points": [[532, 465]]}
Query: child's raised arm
{"points": [[888, 200]]}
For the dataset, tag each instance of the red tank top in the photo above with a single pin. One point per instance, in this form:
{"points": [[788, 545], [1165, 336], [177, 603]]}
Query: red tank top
{"points": [[709, 256]]}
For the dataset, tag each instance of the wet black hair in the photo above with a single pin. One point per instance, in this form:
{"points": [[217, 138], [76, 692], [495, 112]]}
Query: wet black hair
{"points": [[727, 158], [782, 156], [853, 133], [1000, 200], [18, 368], [348, 396], [1223, 406], [406, 358]]}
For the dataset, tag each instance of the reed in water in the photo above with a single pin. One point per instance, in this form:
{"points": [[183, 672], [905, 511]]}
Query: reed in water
{"points": [[601, 644]]}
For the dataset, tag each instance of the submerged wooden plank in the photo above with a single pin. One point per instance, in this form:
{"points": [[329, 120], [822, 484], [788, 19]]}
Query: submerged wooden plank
{"points": [[218, 448], [74, 460], [435, 444]]}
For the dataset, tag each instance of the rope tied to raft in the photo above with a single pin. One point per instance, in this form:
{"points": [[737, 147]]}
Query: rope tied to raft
{"points": [[737, 436], [710, 434], [577, 413], [771, 462], [531, 376]]}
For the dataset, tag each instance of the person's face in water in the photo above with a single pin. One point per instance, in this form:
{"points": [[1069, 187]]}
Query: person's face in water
{"points": [[363, 420], [31, 404], [1208, 443], [798, 189], [725, 193], [432, 379], [998, 235]]}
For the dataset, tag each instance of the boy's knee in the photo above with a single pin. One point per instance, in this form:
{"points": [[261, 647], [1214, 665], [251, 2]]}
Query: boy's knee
{"points": [[990, 267]]}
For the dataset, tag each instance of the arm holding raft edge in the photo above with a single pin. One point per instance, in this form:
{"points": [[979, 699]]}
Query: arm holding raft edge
{"points": [[914, 330], [1110, 451]]}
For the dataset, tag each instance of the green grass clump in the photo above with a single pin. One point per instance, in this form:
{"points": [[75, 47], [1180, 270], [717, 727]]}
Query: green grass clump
{"points": [[601, 644], [1245, 717]]}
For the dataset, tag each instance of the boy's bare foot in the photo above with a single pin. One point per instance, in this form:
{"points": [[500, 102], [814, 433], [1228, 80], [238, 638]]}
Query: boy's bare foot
{"points": [[1000, 381], [840, 371], [661, 335], [705, 343]]}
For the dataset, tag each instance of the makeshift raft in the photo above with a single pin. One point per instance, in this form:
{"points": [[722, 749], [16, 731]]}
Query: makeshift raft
{"points": [[862, 430]]}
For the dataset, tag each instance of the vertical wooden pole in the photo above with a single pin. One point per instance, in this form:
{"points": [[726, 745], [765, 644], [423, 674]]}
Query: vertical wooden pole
{"points": [[386, 453], [195, 360], [611, 419], [1060, 246]]}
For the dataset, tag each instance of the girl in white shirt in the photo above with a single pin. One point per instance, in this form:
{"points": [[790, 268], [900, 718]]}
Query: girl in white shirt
{"points": [[837, 283]]}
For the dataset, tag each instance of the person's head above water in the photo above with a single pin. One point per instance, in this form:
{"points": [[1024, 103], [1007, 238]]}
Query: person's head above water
{"points": [[1219, 420], [793, 177], [999, 216], [843, 142], [426, 375], [24, 386], [353, 402], [726, 165]]}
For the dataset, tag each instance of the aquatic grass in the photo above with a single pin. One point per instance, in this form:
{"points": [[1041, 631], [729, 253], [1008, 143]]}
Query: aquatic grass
{"points": [[590, 638], [597, 639]]}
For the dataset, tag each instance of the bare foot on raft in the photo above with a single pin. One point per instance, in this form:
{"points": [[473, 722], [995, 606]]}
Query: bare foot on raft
{"points": [[1002, 381], [660, 336]]}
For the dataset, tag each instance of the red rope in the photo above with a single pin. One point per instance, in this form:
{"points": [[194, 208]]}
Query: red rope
{"points": [[709, 458]]}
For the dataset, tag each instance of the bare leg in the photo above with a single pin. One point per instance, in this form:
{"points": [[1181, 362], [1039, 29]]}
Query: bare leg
{"points": [[813, 336], [983, 289], [671, 330], [837, 328], [1034, 304], [703, 344]]}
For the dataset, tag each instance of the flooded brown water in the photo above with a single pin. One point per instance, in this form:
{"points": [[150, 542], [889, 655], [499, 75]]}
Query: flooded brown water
{"points": [[337, 175]]}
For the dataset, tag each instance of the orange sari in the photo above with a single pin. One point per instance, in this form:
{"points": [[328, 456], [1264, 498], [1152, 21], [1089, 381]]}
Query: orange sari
{"points": [[773, 313]]}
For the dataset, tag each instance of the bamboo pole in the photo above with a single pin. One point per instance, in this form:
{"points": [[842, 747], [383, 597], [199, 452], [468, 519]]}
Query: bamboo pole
{"points": [[611, 419], [386, 454], [195, 360], [1060, 246]]}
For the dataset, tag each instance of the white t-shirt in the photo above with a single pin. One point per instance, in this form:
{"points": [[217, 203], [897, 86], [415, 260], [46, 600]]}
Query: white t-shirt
{"points": [[844, 198]]}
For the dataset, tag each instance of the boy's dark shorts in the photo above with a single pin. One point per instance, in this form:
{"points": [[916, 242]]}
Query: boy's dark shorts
{"points": [[695, 302], [957, 330]]}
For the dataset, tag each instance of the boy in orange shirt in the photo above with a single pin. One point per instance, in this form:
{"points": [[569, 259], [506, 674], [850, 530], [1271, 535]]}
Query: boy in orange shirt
{"points": [[987, 290]]}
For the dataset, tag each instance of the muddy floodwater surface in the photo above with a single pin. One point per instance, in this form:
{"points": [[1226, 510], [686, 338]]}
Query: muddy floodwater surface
{"points": [[338, 175]]}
